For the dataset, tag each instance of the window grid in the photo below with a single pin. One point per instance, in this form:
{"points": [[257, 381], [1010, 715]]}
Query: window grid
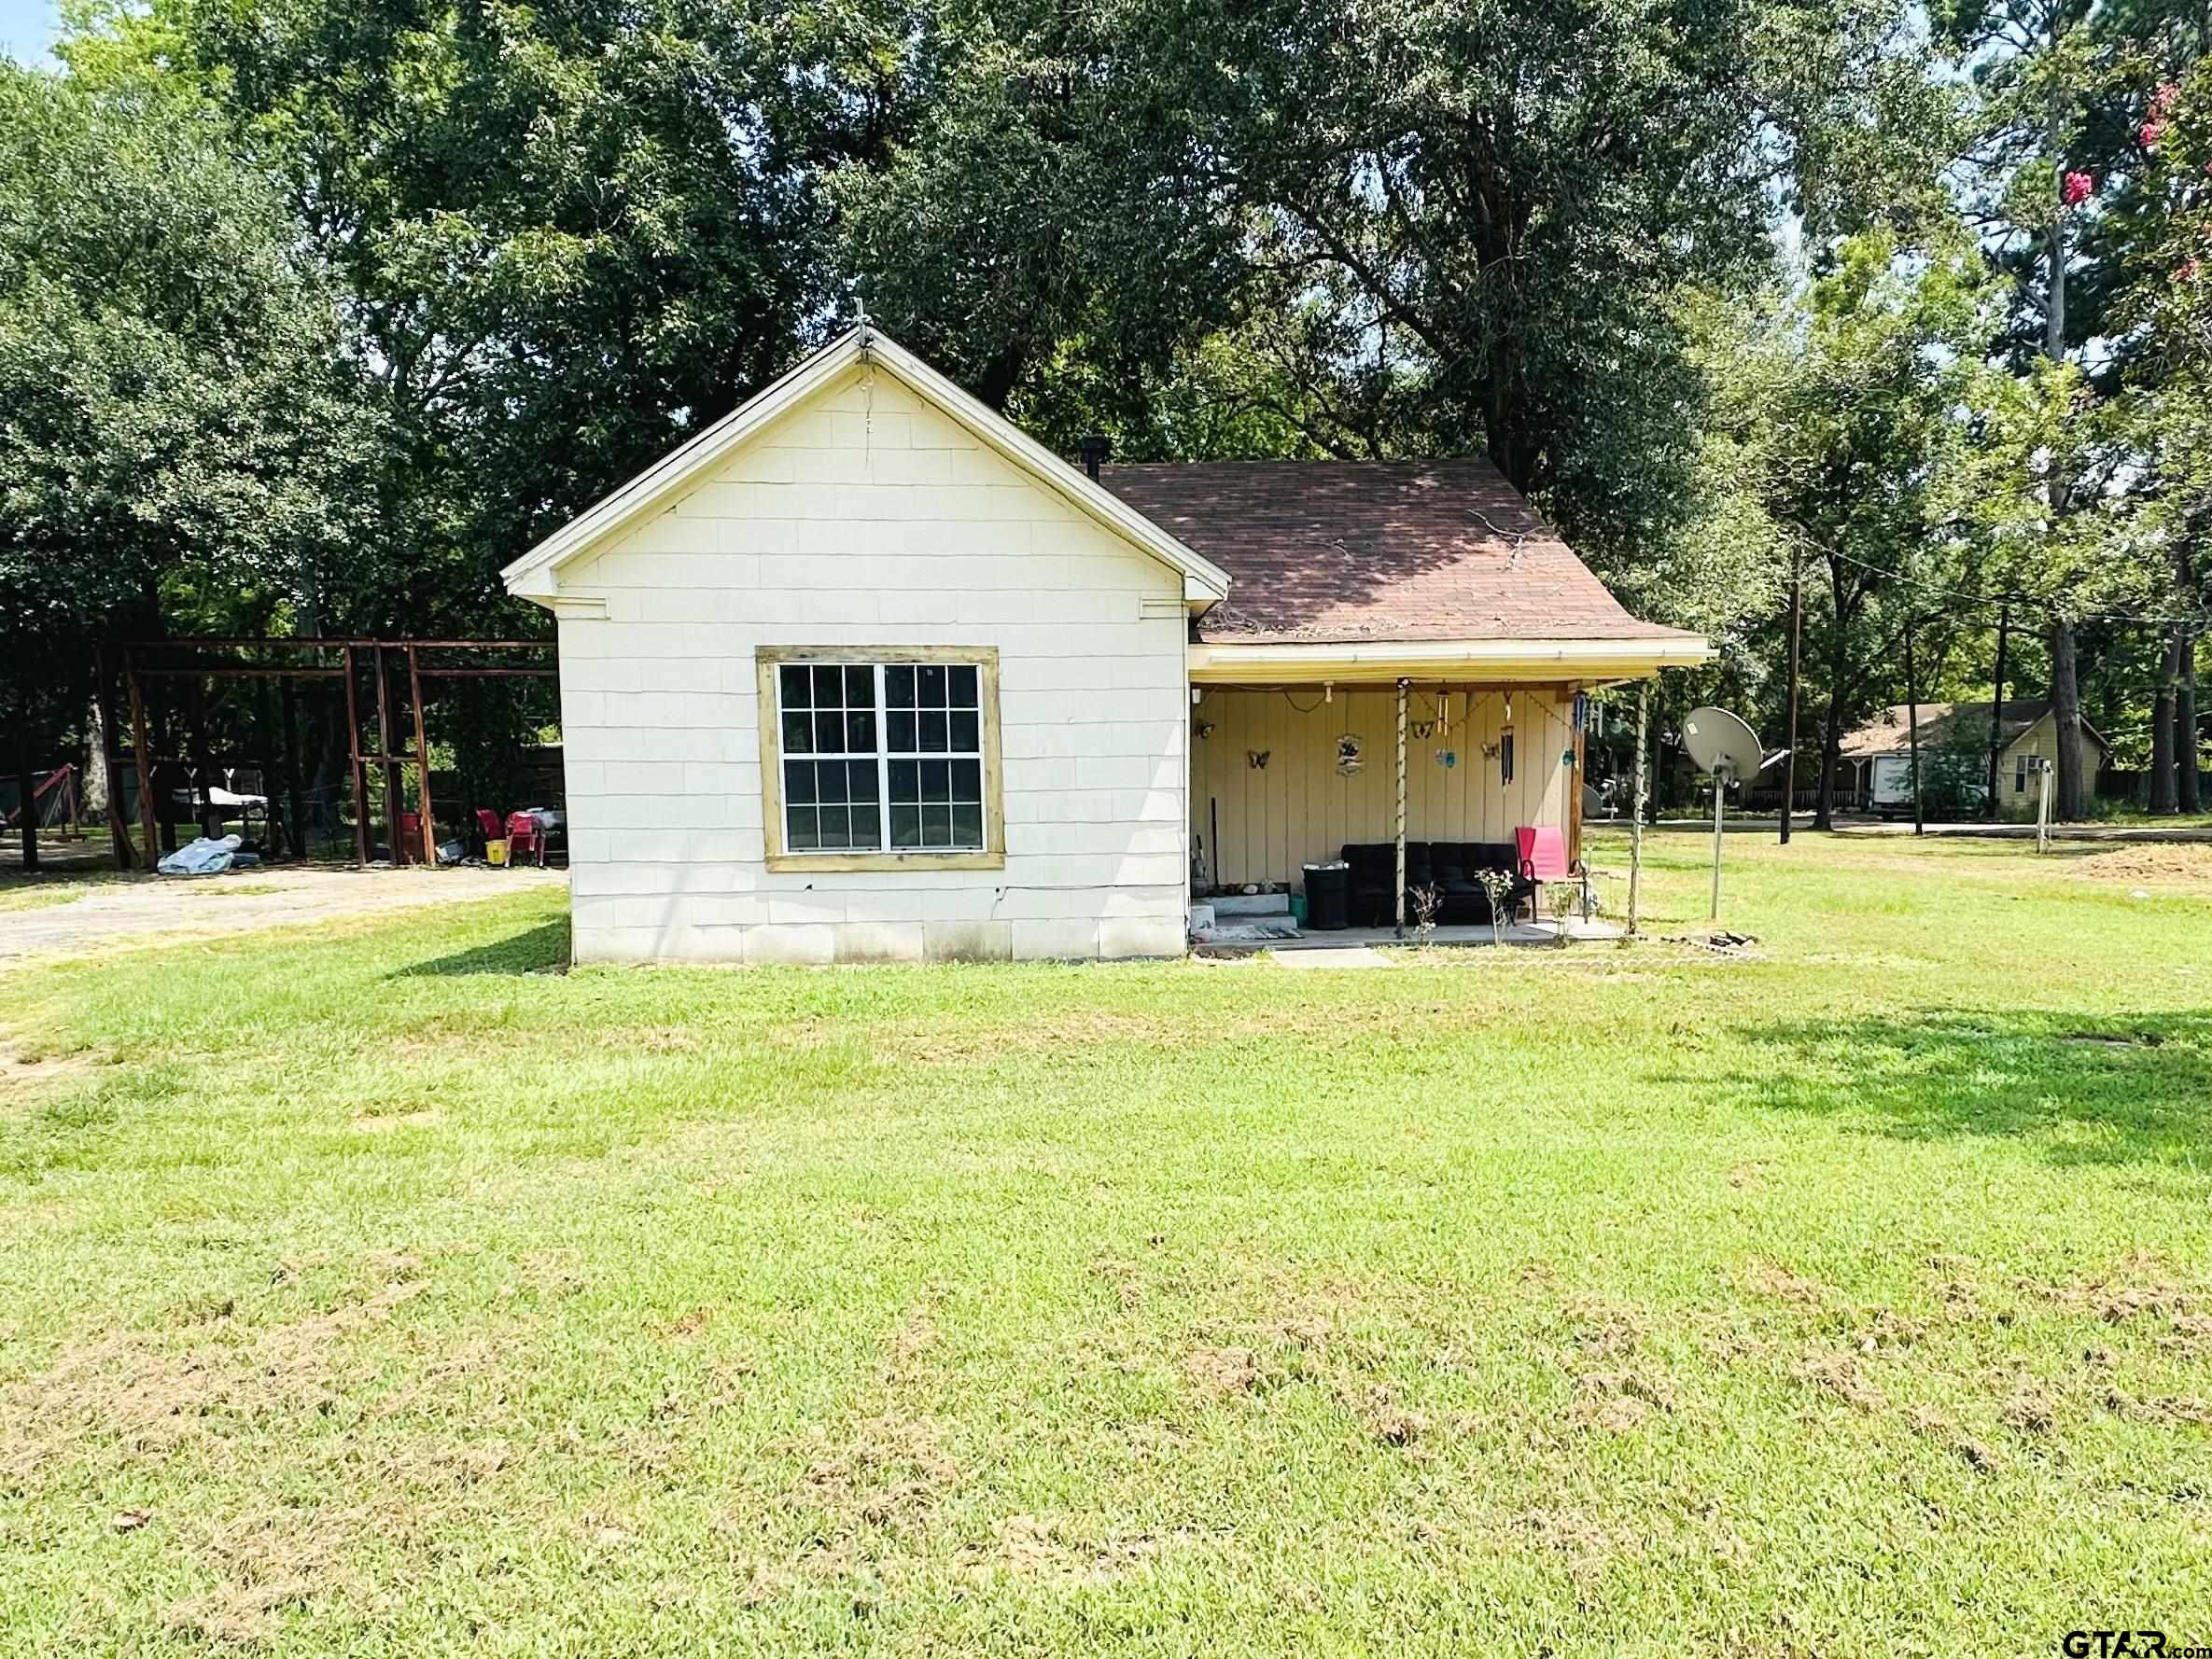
{"points": [[923, 740]]}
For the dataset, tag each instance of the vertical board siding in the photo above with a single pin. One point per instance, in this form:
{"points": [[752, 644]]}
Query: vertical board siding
{"points": [[865, 517], [1301, 811]]}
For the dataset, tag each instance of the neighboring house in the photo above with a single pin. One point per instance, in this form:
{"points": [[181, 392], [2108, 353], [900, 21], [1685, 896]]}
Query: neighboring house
{"points": [[863, 673], [1879, 752]]}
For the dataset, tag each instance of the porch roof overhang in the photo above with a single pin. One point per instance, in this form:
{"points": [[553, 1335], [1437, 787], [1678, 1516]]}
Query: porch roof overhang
{"points": [[1462, 662]]}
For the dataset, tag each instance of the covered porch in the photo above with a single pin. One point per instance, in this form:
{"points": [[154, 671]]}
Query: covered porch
{"points": [[1418, 763]]}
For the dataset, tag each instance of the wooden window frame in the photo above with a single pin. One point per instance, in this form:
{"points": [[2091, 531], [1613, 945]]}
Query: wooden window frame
{"points": [[767, 660]]}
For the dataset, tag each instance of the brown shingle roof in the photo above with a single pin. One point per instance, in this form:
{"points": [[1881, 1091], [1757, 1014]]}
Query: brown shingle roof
{"points": [[1339, 551], [1889, 732]]}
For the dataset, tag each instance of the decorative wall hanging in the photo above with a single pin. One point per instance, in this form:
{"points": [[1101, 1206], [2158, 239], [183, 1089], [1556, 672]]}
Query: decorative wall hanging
{"points": [[1348, 759], [1257, 759], [1505, 757], [1423, 731], [1204, 729], [1448, 759]]}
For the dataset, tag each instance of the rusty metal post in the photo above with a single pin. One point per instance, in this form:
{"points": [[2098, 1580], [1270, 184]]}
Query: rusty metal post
{"points": [[353, 762], [384, 750], [111, 751], [422, 760], [145, 762]]}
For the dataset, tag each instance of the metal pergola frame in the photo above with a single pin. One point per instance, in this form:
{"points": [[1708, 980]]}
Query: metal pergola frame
{"points": [[195, 661]]}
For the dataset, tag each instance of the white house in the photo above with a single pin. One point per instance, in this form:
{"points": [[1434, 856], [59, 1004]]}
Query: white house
{"points": [[862, 673]]}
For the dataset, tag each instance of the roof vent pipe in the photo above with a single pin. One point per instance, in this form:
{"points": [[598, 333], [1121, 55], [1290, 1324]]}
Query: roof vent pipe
{"points": [[1094, 448]]}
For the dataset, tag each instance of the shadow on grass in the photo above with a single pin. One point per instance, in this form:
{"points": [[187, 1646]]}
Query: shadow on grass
{"points": [[2100, 1089], [536, 950]]}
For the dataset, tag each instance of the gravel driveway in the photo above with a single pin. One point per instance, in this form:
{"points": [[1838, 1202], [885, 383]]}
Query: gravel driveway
{"points": [[168, 910]]}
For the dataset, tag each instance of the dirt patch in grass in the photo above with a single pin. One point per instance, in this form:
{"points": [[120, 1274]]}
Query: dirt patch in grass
{"points": [[1618, 1402], [1842, 1375], [24, 1070], [2142, 1285], [1779, 1282], [2150, 864], [266, 1562], [880, 1470], [137, 1394], [1053, 1548], [1223, 1373]]}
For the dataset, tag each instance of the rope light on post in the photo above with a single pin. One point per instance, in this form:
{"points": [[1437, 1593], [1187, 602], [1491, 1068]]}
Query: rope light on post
{"points": [[1399, 924]]}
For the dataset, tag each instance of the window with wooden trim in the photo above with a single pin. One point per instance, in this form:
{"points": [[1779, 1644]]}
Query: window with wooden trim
{"points": [[880, 759]]}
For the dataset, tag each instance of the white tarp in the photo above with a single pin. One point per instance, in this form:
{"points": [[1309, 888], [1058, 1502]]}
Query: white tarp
{"points": [[203, 857]]}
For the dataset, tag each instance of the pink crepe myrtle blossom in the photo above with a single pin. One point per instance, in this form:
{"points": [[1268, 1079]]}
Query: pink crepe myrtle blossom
{"points": [[2149, 134], [2188, 272], [2078, 189], [2164, 100]]}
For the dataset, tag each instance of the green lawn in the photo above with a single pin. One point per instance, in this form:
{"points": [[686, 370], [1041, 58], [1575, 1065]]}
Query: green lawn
{"points": [[382, 1290]]}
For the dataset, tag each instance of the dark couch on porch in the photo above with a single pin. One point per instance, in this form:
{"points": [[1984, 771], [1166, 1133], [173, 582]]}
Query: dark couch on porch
{"points": [[1449, 867]]}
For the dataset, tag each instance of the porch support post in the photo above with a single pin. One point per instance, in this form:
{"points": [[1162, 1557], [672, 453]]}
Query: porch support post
{"points": [[1636, 810], [1398, 925]]}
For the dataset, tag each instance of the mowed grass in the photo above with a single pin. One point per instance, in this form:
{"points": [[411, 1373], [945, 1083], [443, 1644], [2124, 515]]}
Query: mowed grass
{"points": [[382, 1289]]}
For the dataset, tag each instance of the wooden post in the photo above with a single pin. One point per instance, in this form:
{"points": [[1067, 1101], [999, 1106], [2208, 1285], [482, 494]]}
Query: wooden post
{"points": [[1637, 812], [353, 762], [1789, 763], [1996, 714], [422, 760], [1580, 701], [111, 751], [144, 759], [1399, 924], [383, 748], [1913, 729], [2045, 771]]}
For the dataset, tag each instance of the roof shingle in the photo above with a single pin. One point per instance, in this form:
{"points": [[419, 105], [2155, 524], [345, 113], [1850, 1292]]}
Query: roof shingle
{"points": [[1341, 551]]}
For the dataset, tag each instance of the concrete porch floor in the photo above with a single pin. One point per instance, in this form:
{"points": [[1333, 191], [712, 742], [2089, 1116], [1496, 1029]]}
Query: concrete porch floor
{"points": [[1541, 932]]}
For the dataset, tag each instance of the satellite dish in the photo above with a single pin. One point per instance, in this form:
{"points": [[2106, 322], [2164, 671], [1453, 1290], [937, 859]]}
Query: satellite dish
{"points": [[1730, 750], [1722, 745]]}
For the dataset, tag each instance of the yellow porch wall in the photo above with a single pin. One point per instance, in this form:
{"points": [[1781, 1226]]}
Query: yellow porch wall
{"points": [[1297, 810]]}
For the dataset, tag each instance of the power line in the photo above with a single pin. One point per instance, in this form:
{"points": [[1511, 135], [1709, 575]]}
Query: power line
{"points": [[1988, 602]]}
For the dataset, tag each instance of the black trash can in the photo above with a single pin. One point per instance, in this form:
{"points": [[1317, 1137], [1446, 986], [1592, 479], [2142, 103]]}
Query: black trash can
{"points": [[1328, 896]]}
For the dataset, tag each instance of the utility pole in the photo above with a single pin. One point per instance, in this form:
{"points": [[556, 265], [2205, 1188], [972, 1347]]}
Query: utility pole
{"points": [[1996, 714], [1796, 631], [1913, 728]]}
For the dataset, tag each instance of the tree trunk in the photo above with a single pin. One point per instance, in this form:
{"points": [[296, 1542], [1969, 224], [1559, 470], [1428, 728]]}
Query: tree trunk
{"points": [[2165, 797], [94, 804], [1831, 751], [2066, 708], [2188, 793]]}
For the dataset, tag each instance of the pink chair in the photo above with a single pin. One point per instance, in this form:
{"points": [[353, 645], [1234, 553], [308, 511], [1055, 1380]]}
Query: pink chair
{"points": [[1543, 852], [525, 834]]}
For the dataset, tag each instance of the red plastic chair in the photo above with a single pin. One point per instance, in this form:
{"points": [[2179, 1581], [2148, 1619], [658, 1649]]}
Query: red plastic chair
{"points": [[488, 822], [525, 834], [1543, 850]]}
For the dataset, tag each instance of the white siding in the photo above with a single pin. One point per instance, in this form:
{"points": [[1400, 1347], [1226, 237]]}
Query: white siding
{"points": [[865, 518]]}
